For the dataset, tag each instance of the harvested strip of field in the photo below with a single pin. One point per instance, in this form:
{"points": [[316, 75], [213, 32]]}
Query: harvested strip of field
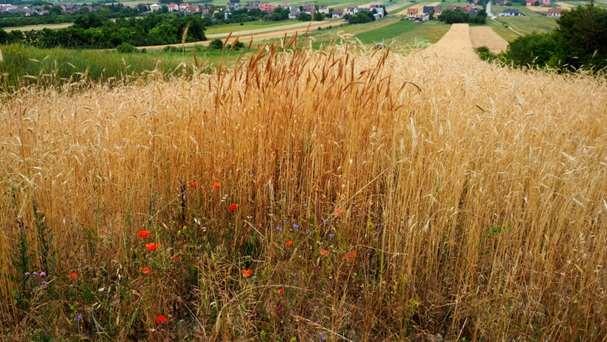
{"points": [[538, 9], [38, 27], [485, 36], [455, 44]]}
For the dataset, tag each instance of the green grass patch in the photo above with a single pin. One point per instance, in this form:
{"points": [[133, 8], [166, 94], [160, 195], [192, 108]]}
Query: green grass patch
{"points": [[24, 66]]}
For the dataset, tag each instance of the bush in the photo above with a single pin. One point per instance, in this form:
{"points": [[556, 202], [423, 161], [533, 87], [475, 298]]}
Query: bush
{"points": [[216, 44], [361, 17], [126, 48], [485, 54], [304, 17], [538, 49], [237, 45]]}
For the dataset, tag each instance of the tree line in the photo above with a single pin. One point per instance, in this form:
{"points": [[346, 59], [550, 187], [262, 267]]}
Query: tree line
{"points": [[93, 31], [56, 15], [457, 15]]}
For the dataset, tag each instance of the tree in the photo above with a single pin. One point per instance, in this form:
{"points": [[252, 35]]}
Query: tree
{"points": [[584, 33], [88, 20], [303, 16], [361, 17]]}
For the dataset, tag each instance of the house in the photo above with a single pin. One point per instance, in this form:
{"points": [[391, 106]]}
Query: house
{"points": [[189, 8], [233, 4], [470, 9], [337, 13], [378, 9], [546, 3], [532, 2], [350, 10], [294, 12], [253, 5], [428, 10], [173, 7], [266, 7], [412, 11], [205, 9], [154, 7], [323, 10], [437, 10], [510, 12], [69, 8], [554, 12], [308, 8]]}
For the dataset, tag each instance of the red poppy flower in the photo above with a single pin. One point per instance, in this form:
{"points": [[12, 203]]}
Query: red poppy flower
{"points": [[350, 256], [216, 185], [233, 207], [73, 275], [281, 291], [161, 319], [247, 272], [288, 243], [324, 252], [193, 184], [146, 270], [152, 246], [143, 233]]}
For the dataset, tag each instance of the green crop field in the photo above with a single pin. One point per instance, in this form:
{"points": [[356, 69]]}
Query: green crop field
{"points": [[405, 33], [390, 31], [251, 25]]}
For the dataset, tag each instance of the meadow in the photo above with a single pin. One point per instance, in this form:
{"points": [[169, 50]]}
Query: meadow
{"points": [[309, 195]]}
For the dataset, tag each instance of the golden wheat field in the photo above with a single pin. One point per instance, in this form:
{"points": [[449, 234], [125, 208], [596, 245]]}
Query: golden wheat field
{"points": [[335, 195]]}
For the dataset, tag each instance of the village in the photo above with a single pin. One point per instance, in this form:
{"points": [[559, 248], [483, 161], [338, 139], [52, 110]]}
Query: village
{"points": [[204, 9]]}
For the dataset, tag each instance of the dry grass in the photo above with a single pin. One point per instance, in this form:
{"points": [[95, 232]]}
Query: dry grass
{"points": [[485, 36], [455, 198]]}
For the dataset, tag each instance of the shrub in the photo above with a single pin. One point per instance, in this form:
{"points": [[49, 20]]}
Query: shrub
{"points": [[237, 45], [361, 17], [485, 54], [304, 17], [216, 44], [126, 48], [538, 49]]}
